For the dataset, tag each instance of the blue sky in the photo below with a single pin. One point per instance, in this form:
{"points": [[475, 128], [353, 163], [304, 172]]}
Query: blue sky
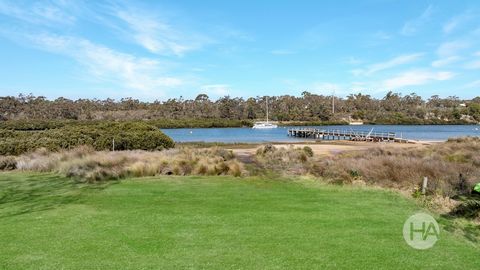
{"points": [[162, 49]]}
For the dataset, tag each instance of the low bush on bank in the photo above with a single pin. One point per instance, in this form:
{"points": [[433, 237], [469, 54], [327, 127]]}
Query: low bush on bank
{"points": [[313, 123], [199, 123], [86, 164], [8, 163], [284, 160], [37, 125], [451, 167], [99, 135], [400, 169]]}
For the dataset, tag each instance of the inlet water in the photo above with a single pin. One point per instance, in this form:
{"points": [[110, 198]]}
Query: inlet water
{"points": [[249, 135]]}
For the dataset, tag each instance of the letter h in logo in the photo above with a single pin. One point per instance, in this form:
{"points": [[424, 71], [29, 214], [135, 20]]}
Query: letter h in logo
{"points": [[430, 230]]}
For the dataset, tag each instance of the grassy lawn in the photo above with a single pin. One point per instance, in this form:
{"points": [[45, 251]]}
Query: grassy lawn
{"points": [[46, 222]]}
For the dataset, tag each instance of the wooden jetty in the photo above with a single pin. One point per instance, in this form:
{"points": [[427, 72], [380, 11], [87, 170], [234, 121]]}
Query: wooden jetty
{"points": [[350, 135]]}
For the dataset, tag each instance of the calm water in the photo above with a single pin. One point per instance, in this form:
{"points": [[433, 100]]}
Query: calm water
{"points": [[279, 134]]}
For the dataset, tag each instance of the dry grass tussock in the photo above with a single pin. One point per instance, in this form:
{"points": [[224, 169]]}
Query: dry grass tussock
{"points": [[387, 167], [84, 163], [285, 160], [382, 166]]}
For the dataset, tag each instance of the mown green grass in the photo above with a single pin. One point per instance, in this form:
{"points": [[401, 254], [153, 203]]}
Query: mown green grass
{"points": [[46, 222]]}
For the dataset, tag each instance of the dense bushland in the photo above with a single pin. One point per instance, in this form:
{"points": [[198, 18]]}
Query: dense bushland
{"points": [[313, 123], [54, 136], [35, 124], [393, 108], [159, 123], [199, 123]]}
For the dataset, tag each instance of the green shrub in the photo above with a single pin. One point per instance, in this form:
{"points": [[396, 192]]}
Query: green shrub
{"points": [[308, 150], [199, 123], [468, 209], [99, 135], [31, 125], [8, 163], [354, 173], [268, 148]]}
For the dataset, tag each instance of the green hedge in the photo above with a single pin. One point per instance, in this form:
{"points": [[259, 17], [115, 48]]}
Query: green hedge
{"points": [[99, 135], [199, 123], [33, 124], [313, 123], [159, 123]]}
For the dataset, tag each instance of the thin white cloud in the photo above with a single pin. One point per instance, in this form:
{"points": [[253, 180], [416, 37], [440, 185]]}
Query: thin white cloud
{"points": [[35, 25], [158, 36], [392, 63], [281, 52], [473, 84], [416, 77], [339, 89], [353, 61], [452, 47], [411, 27], [106, 64], [52, 13], [456, 21], [382, 35], [473, 64], [449, 26], [231, 33], [325, 88], [442, 62], [318, 87], [217, 89]]}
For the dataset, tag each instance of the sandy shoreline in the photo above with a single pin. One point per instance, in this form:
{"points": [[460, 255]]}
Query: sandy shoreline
{"points": [[329, 148]]}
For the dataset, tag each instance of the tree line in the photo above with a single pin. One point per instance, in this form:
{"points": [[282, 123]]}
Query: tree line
{"points": [[393, 108]]}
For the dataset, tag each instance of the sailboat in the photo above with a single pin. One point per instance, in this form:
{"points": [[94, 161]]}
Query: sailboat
{"points": [[264, 125]]}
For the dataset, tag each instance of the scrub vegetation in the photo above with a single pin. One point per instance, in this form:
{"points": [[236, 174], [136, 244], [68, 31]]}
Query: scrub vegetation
{"points": [[281, 202], [86, 164], [452, 167], [21, 137], [308, 108]]}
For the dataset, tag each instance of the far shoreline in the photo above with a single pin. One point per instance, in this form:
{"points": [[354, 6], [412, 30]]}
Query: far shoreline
{"points": [[304, 142]]}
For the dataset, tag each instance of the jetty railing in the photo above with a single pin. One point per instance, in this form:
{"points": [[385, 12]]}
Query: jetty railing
{"points": [[339, 134]]}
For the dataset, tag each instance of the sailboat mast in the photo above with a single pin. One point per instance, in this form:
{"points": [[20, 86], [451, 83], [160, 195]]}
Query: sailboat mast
{"points": [[266, 102], [333, 102]]}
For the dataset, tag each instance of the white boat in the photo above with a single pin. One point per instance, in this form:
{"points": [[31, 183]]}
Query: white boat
{"points": [[355, 123], [264, 125]]}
